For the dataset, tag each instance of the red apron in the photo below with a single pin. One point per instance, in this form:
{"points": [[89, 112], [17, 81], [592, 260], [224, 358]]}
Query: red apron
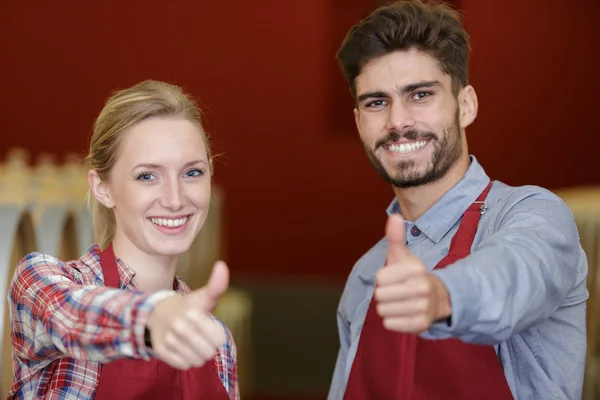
{"points": [[127, 379], [398, 366]]}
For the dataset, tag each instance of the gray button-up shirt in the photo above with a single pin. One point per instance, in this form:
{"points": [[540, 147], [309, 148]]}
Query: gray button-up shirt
{"points": [[522, 289]]}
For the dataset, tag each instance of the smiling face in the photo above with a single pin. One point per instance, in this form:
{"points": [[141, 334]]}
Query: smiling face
{"points": [[409, 120], [159, 187]]}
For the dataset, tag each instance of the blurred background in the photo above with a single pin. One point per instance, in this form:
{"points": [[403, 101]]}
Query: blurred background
{"points": [[296, 202]]}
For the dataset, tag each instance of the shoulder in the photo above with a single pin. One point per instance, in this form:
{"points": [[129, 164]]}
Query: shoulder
{"points": [[536, 218], [38, 268], [513, 202], [502, 192]]}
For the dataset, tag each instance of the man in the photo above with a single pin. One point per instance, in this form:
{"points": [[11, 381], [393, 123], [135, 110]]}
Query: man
{"points": [[495, 273]]}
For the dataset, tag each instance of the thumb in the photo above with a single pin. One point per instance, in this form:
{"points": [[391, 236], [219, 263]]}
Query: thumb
{"points": [[217, 284], [396, 235]]}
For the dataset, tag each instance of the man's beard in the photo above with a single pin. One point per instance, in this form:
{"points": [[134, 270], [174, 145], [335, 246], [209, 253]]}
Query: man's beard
{"points": [[446, 152]]}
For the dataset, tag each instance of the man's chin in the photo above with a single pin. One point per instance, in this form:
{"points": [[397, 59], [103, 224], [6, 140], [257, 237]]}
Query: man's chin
{"points": [[407, 179]]}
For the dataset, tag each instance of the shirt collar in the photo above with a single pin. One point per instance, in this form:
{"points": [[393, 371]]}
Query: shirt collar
{"points": [[437, 221], [126, 274]]}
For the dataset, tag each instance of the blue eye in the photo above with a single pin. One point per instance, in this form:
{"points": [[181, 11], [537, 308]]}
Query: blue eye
{"points": [[145, 177], [193, 173]]}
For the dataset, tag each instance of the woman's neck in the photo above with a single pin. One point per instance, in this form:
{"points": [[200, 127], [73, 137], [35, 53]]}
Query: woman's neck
{"points": [[151, 272]]}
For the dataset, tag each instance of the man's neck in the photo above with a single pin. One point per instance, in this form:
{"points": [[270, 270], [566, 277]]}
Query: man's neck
{"points": [[152, 272], [415, 201]]}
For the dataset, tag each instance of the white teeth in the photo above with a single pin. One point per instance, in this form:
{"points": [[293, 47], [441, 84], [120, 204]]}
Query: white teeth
{"points": [[171, 223], [407, 147]]}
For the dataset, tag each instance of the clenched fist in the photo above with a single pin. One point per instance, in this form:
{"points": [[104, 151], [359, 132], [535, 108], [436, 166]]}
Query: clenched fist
{"points": [[183, 333], [408, 297]]}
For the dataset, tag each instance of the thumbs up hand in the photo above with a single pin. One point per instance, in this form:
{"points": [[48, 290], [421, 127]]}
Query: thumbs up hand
{"points": [[182, 331], [409, 299]]}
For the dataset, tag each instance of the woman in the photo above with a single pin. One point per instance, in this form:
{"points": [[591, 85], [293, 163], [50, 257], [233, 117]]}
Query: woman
{"points": [[118, 323]]}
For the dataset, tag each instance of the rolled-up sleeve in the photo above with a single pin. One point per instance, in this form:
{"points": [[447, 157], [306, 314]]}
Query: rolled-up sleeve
{"points": [[518, 276], [53, 315]]}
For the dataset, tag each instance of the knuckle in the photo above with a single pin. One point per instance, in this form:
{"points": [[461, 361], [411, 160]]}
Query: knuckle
{"points": [[170, 341], [424, 287], [196, 362], [178, 326], [184, 366], [388, 324], [217, 330], [418, 267], [422, 323], [208, 354], [377, 294], [203, 352], [191, 315], [422, 305]]}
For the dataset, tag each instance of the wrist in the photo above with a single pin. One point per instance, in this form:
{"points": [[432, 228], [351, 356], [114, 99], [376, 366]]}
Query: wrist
{"points": [[443, 309], [148, 321]]}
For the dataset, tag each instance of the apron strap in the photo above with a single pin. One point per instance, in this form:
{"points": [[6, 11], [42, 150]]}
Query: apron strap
{"points": [[464, 237], [109, 268]]}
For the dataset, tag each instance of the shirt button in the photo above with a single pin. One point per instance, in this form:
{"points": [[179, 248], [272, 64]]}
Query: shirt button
{"points": [[415, 231]]}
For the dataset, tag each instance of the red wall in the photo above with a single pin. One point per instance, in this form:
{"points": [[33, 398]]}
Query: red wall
{"points": [[535, 68], [301, 197]]}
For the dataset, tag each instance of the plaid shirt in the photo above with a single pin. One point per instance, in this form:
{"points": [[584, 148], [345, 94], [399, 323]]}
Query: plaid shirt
{"points": [[65, 322]]}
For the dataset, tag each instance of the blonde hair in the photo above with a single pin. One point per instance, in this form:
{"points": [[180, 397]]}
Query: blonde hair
{"points": [[124, 109]]}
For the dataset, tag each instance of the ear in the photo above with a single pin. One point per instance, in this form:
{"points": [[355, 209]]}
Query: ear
{"points": [[99, 189], [357, 118], [468, 105]]}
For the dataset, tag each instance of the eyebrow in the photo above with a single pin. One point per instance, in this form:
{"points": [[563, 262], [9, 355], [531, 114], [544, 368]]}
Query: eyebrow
{"points": [[158, 166], [411, 87]]}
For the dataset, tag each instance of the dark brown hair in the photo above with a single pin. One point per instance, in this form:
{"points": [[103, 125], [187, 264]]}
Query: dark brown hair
{"points": [[433, 28]]}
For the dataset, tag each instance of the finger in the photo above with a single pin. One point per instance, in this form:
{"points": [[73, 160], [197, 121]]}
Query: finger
{"points": [[217, 284], [187, 344], [169, 352], [179, 341], [175, 361], [411, 268], [206, 326], [411, 324], [409, 289], [194, 355], [201, 349], [396, 236], [410, 308]]}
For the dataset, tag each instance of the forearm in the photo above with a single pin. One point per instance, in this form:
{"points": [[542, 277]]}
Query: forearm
{"points": [[83, 322], [503, 290], [516, 277]]}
